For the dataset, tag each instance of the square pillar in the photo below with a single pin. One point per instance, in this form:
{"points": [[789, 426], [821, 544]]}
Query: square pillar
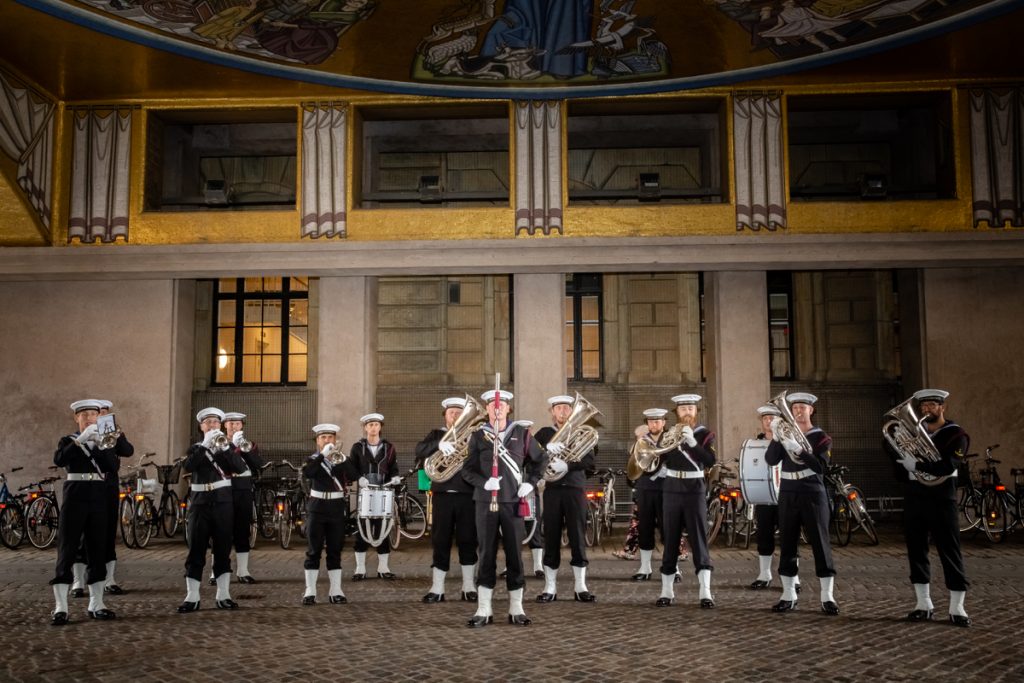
{"points": [[738, 371], [346, 353], [538, 345]]}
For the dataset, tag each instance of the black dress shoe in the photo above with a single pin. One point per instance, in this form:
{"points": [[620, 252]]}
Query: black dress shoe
{"points": [[798, 588], [469, 596], [758, 585], [114, 589], [663, 602], [479, 622], [59, 619], [538, 573], [309, 600], [707, 603], [830, 608], [227, 603], [958, 620], [78, 592], [639, 576], [385, 575], [519, 620], [101, 614], [246, 579], [212, 581], [678, 578], [920, 615], [337, 599], [433, 597], [584, 596], [503, 574], [358, 577], [547, 597], [784, 606], [186, 607]]}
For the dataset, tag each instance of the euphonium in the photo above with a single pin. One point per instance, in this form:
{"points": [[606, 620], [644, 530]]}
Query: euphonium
{"points": [[440, 467], [578, 437], [905, 432], [645, 457], [787, 427]]}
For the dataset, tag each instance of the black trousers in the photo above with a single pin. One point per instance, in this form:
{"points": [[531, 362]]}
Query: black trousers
{"points": [[512, 531], [326, 529], [689, 509], [82, 524], [109, 549], [648, 517], [242, 500], [927, 515], [564, 506], [766, 517], [809, 511], [454, 519], [209, 522], [362, 546]]}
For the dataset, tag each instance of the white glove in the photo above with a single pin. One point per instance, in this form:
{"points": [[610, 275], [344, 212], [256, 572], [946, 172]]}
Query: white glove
{"points": [[492, 484], [555, 448], [908, 462], [559, 466], [792, 446], [446, 447], [363, 482], [395, 481], [688, 436], [524, 490], [211, 436], [90, 434], [662, 471], [328, 449], [641, 431], [237, 438]]}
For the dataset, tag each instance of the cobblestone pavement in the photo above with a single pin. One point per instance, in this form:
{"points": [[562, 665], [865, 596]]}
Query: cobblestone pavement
{"points": [[386, 633]]}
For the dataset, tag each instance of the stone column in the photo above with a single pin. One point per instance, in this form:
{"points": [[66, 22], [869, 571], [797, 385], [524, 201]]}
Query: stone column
{"points": [[738, 371], [347, 352], [538, 345]]}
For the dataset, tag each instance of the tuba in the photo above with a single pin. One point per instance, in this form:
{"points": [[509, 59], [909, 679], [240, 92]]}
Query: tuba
{"points": [[440, 467], [904, 431], [579, 438], [645, 457], [787, 427]]}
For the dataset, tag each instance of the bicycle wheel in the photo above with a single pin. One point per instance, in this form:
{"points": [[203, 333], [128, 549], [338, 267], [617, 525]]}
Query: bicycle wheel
{"points": [[41, 522], [183, 514], [592, 530], [969, 508], [860, 514], [126, 522], [265, 513], [253, 527], [299, 511], [842, 520], [12, 525], [285, 522], [729, 522], [413, 518], [995, 516], [143, 522], [169, 514], [714, 519], [608, 516]]}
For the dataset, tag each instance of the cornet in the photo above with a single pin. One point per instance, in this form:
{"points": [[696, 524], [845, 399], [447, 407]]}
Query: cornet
{"points": [[333, 454], [244, 445], [221, 442], [109, 439]]}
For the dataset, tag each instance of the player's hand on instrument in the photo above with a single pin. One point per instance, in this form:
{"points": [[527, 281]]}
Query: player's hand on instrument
{"points": [[776, 425], [210, 437], [559, 467], [492, 484], [238, 438], [446, 447], [641, 431], [688, 436], [662, 471], [909, 462], [525, 490], [395, 481], [328, 449], [791, 445], [555, 448], [363, 482], [90, 434]]}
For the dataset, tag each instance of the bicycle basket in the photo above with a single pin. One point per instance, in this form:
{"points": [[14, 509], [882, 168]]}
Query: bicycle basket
{"points": [[146, 486], [168, 474]]}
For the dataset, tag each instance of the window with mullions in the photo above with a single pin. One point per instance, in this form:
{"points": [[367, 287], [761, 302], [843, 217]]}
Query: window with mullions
{"points": [[780, 324], [583, 357], [262, 330]]}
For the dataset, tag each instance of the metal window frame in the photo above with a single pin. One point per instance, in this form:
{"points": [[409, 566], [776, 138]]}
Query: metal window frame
{"points": [[576, 289]]}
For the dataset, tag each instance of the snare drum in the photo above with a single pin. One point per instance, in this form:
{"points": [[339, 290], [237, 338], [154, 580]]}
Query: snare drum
{"points": [[376, 502], [759, 481]]}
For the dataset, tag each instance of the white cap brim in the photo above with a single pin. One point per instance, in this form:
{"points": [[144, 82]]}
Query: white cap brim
{"points": [[86, 404], [371, 417], [210, 412], [326, 428], [686, 399]]}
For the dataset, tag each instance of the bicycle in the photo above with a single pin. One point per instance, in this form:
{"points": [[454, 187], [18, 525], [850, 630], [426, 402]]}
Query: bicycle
{"points": [[126, 511], [42, 513], [145, 520], [602, 503], [996, 502], [12, 515], [170, 512], [849, 511], [263, 500], [969, 500], [410, 515], [723, 501], [289, 505]]}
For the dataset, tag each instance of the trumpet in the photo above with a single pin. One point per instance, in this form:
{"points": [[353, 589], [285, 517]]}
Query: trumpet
{"points": [[221, 442], [333, 454], [109, 439], [244, 445]]}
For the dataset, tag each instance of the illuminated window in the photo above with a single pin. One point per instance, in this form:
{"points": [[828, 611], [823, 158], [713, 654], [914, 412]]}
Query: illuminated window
{"points": [[262, 328], [583, 358]]}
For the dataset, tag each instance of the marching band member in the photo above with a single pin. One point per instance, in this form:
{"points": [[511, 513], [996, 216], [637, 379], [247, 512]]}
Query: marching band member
{"points": [[931, 510], [376, 463], [565, 505], [212, 461], [648, 493], [766, 516], [520, 466], [241, 491], [802, 501], [684, 501], [84, 511], [328, 471], [453, 513]]}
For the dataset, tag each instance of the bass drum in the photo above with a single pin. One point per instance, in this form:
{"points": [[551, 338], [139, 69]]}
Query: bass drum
{"points": [[759, 481]]}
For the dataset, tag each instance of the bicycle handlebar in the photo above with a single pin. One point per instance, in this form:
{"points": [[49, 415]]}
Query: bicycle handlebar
{"points": [[293, 467]]}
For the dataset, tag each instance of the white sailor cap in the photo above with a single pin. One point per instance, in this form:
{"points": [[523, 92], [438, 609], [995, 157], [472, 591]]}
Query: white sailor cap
{"points": [[802, 397], [371, 417], [655, 414], [686, 399], [85, 404], [937, 395], [561, 399], [105, 404], [239, 417], [768, 409], [210, 412], [488, 396], [453, 402], [326, 428]]}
